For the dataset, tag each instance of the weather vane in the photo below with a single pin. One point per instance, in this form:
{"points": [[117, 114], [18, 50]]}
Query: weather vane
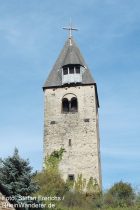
{"points": [[70, 29]]}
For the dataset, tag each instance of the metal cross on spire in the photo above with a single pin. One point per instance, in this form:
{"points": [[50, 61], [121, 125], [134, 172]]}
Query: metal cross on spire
{"points": [[70, 29]]}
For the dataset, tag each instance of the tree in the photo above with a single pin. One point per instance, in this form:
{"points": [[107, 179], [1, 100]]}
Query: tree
{"points": [[16, 175], [120, 194]]}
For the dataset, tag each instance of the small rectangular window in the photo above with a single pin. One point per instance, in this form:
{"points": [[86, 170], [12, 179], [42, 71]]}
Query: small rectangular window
{"points": [[86, 120], [65, 70], [71, 70], [52, 122], [77, 69], [71, 177], [69, 142]]}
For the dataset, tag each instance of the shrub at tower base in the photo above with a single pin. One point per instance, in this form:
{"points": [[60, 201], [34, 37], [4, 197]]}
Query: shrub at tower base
{"points": [[49, 180], [120, 194], [51, 185], [70, 193], [72, 196]]}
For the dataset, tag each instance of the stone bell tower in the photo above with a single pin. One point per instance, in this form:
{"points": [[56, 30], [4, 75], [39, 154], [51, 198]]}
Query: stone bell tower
{"points": [[71, 115]]}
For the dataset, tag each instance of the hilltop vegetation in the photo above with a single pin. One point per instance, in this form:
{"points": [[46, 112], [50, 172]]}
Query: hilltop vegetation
{"points": [[120, 196], [53, 192]]}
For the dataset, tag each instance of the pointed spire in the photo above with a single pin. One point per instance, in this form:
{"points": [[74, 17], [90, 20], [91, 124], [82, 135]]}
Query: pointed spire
{"points": [[70, 54]]}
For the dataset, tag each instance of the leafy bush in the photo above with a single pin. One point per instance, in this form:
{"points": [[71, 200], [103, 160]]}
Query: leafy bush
{"points": [[50, 184], [73, 199], [120, 194], [77, 200], [137, 200], [49, 180]]}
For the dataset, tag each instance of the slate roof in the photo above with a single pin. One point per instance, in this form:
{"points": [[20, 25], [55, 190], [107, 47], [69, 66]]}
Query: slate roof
{"points": [[70, 54]]}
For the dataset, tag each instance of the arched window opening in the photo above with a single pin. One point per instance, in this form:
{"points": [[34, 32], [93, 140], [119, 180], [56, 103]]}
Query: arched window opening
{"points": [[69, 103], [74, 104], [65, 105]]}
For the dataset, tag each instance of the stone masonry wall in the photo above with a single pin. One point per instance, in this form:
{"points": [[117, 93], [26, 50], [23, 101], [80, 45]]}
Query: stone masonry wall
{"points": [[83, 156]]}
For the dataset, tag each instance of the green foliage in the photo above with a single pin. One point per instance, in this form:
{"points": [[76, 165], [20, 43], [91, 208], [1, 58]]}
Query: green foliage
{"points": [[53, 160], [137, 200], [49, 180], [16, 175], [73, 199], [50, 184], [120, 194], [83, 195], [78, 200], [79, 184], [92, 186], [79, 194]]}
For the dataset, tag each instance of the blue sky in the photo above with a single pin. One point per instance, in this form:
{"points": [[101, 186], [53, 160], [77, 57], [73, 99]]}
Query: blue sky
{"points": [[31, 38]]}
